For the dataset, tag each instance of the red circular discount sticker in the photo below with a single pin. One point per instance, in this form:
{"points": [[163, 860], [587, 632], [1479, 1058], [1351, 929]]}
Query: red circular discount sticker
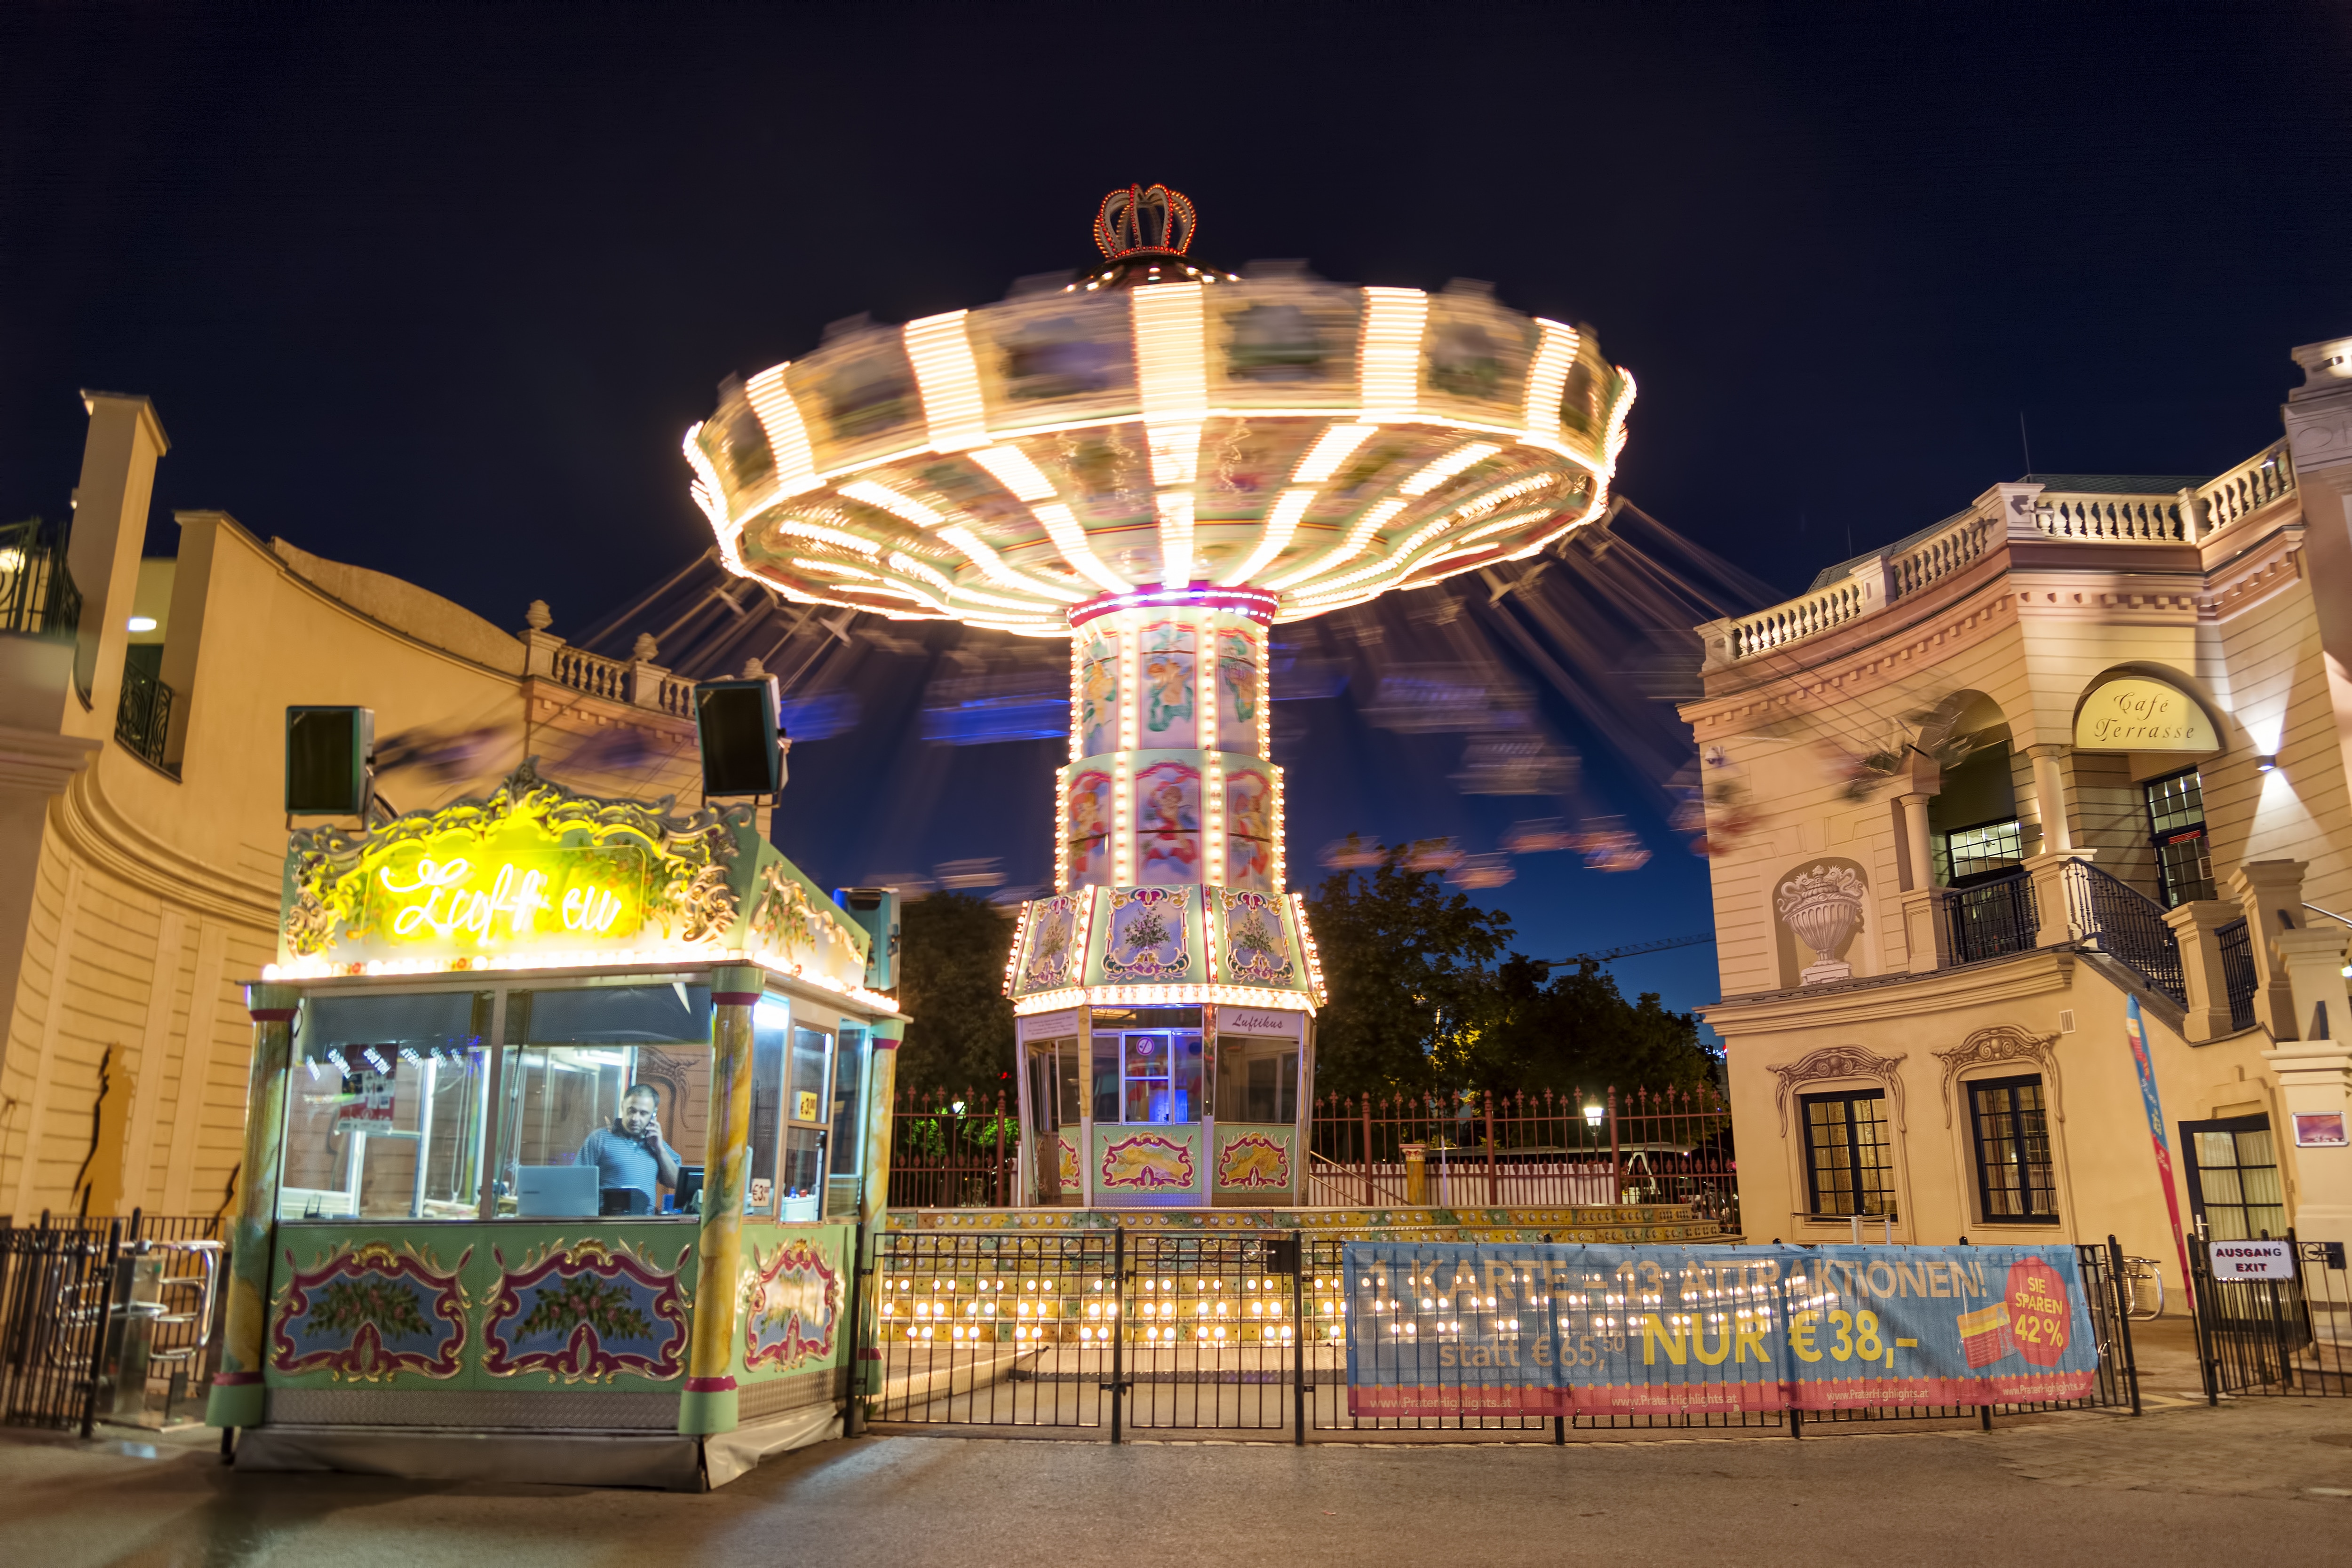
{"points": [[2039, 1313]]}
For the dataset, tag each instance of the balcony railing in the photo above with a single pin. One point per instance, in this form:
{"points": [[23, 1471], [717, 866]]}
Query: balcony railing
{"points": [[37, 596], [1876, 582], [2127, 927], [143, 718], [1992, 919], [2238, 974]]}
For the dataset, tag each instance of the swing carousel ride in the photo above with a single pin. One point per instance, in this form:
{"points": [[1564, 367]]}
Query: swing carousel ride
{"points": [[1161, 461]]}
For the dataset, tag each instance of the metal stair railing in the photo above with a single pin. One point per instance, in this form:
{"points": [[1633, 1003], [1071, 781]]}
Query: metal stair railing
{"points": [[2127, 927]]}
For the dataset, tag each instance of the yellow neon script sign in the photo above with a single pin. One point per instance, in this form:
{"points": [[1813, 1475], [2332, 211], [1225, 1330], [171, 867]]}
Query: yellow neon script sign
{"points": [[542, 894]]}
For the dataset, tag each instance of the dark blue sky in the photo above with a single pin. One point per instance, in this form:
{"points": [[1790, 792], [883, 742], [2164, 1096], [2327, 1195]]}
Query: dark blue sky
{"points": [[436, 289]]}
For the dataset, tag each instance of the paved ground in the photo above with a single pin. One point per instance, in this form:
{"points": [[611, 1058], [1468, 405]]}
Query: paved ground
{"points": [[2183, 1484]]}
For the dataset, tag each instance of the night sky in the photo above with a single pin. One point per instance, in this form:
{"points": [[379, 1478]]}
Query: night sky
{"points": [[437, 290]]}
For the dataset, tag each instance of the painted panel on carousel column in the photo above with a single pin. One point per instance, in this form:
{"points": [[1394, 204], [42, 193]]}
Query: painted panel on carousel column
{"points": [[1086, 834], [1157, 1159], [1256, 946], [1055, 945], [1237, 691], [1249, 828], [792, 1299], [1254, 1159], [1153, 938], [1097, 694], [1167, 823], [1169, 651]]}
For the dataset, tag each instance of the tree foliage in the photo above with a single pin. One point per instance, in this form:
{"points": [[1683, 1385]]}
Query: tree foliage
{"points": [[1407, 969], [952, 953], [1423, 997]]}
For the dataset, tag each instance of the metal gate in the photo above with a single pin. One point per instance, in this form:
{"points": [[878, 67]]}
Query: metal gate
{"points": [[2276, 1336], [54, 1284], [1120, 1332]]}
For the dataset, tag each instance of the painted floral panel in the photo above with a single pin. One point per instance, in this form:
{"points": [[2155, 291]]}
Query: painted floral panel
{"points": [[369, 1313], [1148, 935], [586, 1312], [1258, 949], [1056, 942]]}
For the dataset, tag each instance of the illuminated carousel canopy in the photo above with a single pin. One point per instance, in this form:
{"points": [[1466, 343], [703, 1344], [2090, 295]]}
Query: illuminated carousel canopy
{"points": [[1157, 430]]}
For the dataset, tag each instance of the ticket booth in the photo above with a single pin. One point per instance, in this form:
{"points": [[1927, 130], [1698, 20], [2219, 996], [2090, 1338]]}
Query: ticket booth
{"points": [[564, 1119]]}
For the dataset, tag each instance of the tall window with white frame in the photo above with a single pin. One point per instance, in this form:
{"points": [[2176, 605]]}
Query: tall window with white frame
{"points": [[1849, 1153], [2016, 1182]]}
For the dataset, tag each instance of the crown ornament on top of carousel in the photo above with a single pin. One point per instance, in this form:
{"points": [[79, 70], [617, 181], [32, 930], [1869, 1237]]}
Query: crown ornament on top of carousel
{"points": [[1159, 460]]}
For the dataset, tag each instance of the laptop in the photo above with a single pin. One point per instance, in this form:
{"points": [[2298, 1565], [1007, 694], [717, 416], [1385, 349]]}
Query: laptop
{"points": [[556, 1192]]}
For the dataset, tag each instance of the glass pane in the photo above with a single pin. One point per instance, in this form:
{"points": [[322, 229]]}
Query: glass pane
{"points": [[2216, 1149], [809, 1102], [384, 1115], [849, 1093], [1258, 1079], [768, 1020], [1066, 1070], [1187, 1066], [602, 1113], [1146, 1079], [803, 1172], [1105, 1076]]}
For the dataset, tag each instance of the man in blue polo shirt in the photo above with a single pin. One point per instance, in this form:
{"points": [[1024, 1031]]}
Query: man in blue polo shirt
{"points": [[630, 1152]]}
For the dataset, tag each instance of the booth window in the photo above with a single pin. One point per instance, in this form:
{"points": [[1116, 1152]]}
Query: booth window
{"points": [[808, 1113], [2233, 1179], [385, 1111], [1158, 1075], [2175, 825], [2015, 1182], [848, 1092], [770, 1019], [1257, 1080], [1849, 1156], [593, 1077]]}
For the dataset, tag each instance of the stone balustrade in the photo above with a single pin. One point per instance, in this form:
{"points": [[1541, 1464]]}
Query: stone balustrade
{"points": [[1876, 582], [636, 682]]}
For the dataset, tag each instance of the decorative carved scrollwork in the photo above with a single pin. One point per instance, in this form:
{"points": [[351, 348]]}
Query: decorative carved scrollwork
{"points": [[1840, 1062], [2003, 1043]]}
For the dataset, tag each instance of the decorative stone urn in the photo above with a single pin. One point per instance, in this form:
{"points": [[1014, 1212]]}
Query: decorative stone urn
{"points": [[1823, 908]]}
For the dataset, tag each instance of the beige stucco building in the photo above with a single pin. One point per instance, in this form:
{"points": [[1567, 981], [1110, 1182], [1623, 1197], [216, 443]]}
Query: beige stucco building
{"points": [[141, 832], [2085, 741]]}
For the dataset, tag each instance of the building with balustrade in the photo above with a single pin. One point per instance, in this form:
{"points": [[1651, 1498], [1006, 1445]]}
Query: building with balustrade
{"points": [[141, 836], [2076, 753]]}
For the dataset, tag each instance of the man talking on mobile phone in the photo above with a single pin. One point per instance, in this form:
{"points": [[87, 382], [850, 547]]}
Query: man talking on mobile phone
{"points": [[630, 1153]]}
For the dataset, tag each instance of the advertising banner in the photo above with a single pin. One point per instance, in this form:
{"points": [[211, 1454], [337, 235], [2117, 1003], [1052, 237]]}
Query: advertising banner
{"points": [[1470, 1329]]}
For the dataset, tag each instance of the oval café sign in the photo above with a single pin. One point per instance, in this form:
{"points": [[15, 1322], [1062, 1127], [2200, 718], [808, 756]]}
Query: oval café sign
{"points": [[2133, 714]]}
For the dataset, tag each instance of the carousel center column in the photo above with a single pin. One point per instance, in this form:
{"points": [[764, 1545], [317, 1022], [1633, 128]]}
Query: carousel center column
{"points": [[237, 1398], [709, 1403]]}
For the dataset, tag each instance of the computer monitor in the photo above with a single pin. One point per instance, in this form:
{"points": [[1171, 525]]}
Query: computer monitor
{"points": [[556, 1192], [690, 1186]]}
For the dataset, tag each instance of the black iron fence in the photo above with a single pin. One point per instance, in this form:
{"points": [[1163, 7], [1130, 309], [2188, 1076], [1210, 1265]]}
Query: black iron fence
{"points": [[115, 1320], [2287, 1334], [1121, 1332], [37, 596], [1992, 919], [2127, 927], [2237, 944], [142, 716]]}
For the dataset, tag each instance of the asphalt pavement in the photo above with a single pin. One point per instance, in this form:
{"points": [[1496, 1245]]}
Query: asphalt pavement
{"points": [[2182, 1484]]}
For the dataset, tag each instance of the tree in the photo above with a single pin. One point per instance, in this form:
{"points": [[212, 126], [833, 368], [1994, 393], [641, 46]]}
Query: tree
{"points": [[1578, 1032], [952, 949], [1406, 964]]}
